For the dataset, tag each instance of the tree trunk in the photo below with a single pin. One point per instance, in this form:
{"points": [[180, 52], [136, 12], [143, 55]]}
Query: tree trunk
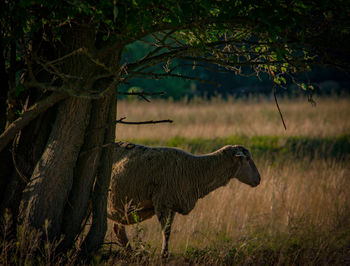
{"points": [[45, 196], [5, 154], [62, 160], [99, 197], [85, 172]]}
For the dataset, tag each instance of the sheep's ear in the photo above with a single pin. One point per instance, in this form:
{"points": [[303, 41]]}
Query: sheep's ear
{"points": [[239, 154]]}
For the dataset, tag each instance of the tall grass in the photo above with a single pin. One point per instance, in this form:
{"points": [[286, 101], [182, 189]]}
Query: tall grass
{"points": [[299, 214], [219, 118]]}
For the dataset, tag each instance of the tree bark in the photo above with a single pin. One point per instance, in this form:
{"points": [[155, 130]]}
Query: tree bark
{"points": [[5, 155], [25, 152], [46, 195], [4, 86], [98, 229], [85, 173]]}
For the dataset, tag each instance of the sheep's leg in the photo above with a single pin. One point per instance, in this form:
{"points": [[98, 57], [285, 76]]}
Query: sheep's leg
{"points": [[122, 239], [166, 218]]}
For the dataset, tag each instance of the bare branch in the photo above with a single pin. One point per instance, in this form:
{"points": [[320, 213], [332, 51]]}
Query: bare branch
{"points": [[141, 93], [52, 69], [43, 86], [28, 116], [14, 147], [121, 121], [166, 75], [78, 51], [160, 45], [278, 107]]}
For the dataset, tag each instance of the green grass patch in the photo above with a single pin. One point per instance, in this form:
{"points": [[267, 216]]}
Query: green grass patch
{"points": [[271, 146]]}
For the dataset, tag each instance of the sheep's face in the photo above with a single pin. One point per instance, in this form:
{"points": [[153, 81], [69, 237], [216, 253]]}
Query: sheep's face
{"points": [[247, 171]]}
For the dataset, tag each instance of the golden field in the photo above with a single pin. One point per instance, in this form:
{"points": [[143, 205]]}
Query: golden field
{"points": [[299, 214], [219, 118]]}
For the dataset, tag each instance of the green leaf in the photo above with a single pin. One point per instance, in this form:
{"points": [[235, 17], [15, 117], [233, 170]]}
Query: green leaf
{"points": [[115, 12], [19, 89]]}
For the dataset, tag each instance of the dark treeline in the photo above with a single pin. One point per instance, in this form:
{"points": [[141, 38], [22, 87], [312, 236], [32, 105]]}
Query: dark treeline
{"points": [[215, 81], [326, 82]]}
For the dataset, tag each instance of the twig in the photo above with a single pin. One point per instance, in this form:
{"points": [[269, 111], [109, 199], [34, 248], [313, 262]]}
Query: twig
{"points": [[88, 214], [78, 51], [167, 75], [121, 121], [13, 152], [110, 243], [278, 107], [141, 93]]}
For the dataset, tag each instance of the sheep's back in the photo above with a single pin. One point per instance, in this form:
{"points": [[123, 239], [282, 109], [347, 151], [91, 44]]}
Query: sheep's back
{"points": [[140, 172]]}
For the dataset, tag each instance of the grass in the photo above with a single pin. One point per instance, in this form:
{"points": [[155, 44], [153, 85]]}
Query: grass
{"points": [[268, 146], [298, 215], [218, 118]]}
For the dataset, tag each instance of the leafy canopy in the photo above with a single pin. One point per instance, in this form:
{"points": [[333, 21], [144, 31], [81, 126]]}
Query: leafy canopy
{"points": [[275, 37]]}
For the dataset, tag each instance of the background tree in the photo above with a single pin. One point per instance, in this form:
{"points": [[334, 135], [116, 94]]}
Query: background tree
{"points": [[62, 64]]}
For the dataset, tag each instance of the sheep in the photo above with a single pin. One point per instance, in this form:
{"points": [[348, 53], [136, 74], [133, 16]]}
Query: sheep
{"points": [[164, 181]]}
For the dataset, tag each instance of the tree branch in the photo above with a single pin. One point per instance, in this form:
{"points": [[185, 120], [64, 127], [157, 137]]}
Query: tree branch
{"points": [[279, 110], [121, 121], [165, 75], [28, 116], [142, 94]]}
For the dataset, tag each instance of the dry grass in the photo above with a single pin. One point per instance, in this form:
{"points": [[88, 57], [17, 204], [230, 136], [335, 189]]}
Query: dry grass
{"points": [[300, 214], [220, 118], [293, 198]]}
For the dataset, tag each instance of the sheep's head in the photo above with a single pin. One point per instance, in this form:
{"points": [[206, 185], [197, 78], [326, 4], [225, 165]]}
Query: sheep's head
{"points": [[247, 171]]}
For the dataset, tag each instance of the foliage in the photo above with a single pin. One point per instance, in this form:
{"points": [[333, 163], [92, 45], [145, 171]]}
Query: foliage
{"points": [[278, 38]]}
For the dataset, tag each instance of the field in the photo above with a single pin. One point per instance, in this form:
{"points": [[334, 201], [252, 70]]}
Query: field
{"points": [[300, 214], [218, 118]]}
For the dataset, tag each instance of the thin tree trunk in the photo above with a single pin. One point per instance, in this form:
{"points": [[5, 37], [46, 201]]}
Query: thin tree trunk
{"points": [[85, 172], [4, 87], [46, 195], [5, 154], [26, 151], [98, 229]]}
